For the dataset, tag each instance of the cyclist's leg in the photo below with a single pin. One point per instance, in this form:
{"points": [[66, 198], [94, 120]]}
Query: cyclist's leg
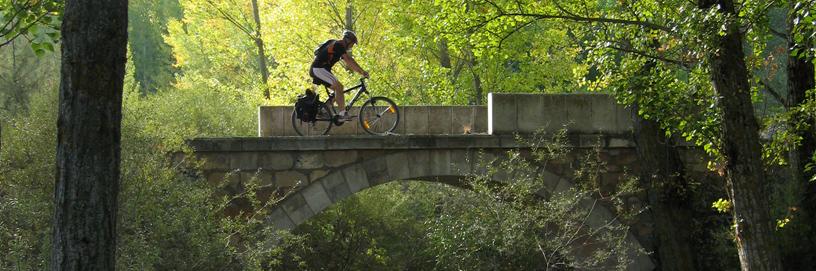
{"points": [[339, 96], [326, 78]]}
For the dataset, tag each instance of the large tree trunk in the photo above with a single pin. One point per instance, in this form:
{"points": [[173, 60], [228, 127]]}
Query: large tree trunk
{"points": [[662, 176], [754, 232], [261, 51], [94, 37], [800, 80]]}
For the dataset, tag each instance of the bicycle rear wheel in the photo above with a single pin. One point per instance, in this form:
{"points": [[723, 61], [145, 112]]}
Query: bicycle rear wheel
{"points": [[379, 116], [321, 125]]}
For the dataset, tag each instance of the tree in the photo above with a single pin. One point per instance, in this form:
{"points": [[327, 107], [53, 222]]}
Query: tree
{"points": [[704, 38], [94, 38], [745, 174], [152, 58]]}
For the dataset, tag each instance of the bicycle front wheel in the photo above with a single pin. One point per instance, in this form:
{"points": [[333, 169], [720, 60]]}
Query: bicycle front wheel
{"points": [[379, 116], [321, 125]]}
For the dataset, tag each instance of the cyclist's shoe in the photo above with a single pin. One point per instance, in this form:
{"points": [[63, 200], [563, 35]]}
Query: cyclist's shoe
{"points": [[344, 116]]}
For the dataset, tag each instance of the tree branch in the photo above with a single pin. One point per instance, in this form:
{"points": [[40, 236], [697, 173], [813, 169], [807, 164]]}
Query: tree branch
{"points": [[647, 55], [23, 30], [590, 19], [775, 94]]}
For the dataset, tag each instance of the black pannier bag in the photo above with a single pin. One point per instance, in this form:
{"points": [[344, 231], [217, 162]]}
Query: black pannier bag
{"points": [[306, 106]]}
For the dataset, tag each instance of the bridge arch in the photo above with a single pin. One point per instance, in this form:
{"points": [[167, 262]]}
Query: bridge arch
{"points": [[445, 166]]}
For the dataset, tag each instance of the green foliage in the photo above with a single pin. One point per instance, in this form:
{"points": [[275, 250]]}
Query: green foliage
{"points": [[168, 219], [722, 205], [152, 58], [37, 21], [22, 72], [27, 185]]}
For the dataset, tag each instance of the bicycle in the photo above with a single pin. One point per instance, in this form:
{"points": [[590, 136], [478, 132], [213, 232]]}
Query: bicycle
{"points": [[378, 115]]}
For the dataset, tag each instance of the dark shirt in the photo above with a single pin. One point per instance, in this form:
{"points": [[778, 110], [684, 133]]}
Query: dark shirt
{"points": [[322, 58]]}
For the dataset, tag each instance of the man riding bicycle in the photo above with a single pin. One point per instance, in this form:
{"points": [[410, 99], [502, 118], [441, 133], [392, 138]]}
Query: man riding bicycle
{"points": [[325, 57]]}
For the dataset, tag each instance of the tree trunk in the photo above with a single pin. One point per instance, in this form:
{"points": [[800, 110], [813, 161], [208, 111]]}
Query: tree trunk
{"points": [[800, 80], [662, 176], [94, 38], [349, 16], [261, 51], [477, 81], [754, 232], [444, 53]]}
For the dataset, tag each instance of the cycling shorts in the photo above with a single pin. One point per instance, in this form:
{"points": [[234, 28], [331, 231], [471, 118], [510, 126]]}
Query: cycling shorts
{"points": [[322, 76]]}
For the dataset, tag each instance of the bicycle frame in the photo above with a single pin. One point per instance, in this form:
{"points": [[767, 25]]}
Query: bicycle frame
{"points": [[361, 86]]}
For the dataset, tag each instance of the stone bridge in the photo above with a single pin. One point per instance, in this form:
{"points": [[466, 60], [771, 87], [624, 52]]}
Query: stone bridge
{"points": [[437, 144]]}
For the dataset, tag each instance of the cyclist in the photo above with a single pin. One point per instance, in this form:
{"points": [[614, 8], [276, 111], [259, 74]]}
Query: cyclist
{"points": [[326, 56]]}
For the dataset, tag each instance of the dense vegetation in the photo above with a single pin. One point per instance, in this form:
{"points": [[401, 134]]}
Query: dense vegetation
{"points": [[701, 72]]}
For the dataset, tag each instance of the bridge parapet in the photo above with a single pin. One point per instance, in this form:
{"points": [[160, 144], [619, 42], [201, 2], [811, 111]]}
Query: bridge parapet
{"points": [[505, 113], [584, 113], [415, 120]]}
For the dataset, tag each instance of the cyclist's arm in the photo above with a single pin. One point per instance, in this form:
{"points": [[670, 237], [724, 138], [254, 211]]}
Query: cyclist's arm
{"points": [[353, 65]]}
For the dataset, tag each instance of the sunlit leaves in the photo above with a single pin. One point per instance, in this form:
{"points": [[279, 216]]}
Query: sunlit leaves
{"points": [[36, 20]]}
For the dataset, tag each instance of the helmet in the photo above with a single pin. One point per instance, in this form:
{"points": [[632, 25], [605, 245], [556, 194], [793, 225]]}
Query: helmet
{"points": [[349, 35]]}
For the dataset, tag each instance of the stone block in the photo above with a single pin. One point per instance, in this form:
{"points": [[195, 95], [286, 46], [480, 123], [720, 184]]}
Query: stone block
{"points": [[479, 120], [501, 114], [439, 120], [461, 161], [286, 119], [296, 207], [339, 158], [604, 113], [549, 179], [482, 160], [275, 161], [416, 120], [280, 220], [398, 166], [215, 178], [562, 186], [316, 197], [401, 124], [249, 177], [336, 186], [264, 121], [270, 120], [461, 120], [266, 178], [624, 119], [309, 160], [356, 177], [376, 170], [232, 184], [579, 112], [592, 140], [440, 162], [554, 114], [216, 161], [620, 143], [348, 128], [420, 161], [290, 179], [317, 174], [599, 217], [530, 113], [244, 161]]}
